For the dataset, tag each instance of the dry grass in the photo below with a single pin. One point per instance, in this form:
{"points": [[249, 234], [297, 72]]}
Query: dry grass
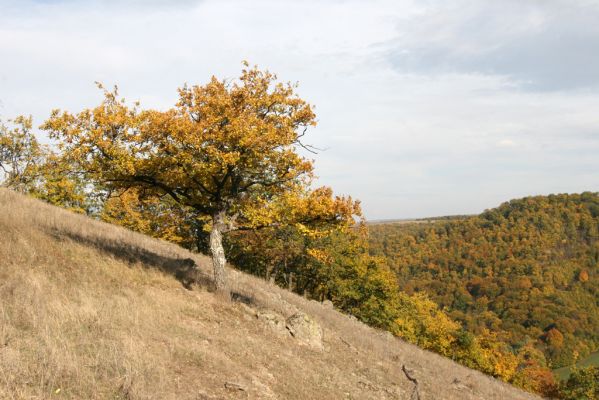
{"points": [[92, 311]]}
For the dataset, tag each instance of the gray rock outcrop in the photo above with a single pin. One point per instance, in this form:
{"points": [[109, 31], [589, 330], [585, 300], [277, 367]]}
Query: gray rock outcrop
{"points": [[305, 330]]}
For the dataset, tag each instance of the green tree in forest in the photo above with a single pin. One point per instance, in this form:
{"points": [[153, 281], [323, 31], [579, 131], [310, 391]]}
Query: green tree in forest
{"points": [[583, 384], [20, 154], [30, 167]]}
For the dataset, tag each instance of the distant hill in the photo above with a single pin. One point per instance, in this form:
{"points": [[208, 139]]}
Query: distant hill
{"points": [[527, 270], [407, 221], [93, 311]]}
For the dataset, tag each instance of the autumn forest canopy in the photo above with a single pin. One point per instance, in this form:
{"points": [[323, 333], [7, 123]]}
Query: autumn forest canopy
{"points": [[526, 270], [512, 292]]}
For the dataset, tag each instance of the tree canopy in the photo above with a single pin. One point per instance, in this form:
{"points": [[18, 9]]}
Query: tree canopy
{"points": [[228, 150]]}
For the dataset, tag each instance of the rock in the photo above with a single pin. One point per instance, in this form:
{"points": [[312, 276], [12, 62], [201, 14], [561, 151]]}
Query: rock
{"points": [[272, 320], [328, 304], [234, 386], [306, 330]]}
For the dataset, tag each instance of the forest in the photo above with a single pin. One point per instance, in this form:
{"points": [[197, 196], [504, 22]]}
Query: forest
{"points": [[527, 270]]}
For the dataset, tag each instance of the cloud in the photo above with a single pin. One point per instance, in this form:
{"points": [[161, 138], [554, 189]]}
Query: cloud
{"points": [[506, 143], [103, 3], [419, 114], [539, 45]]}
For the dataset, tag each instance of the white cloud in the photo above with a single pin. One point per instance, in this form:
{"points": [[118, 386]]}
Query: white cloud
{"points": [[506, 143], [540, 45], [445, 132]]}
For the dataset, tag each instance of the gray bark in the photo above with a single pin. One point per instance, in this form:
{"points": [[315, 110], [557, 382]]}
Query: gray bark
{"points": [[218, 253]]}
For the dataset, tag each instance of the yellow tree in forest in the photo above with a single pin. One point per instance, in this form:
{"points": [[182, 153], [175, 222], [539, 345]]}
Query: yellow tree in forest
{"points": [[226, 150], [29, 167], [20, 154]]}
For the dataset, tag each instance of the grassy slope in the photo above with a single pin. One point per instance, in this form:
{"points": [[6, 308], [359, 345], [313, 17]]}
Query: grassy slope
{"points": [[89, 310]]}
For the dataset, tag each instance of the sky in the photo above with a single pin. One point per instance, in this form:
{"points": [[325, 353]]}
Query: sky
{"points": [[424, 108]]}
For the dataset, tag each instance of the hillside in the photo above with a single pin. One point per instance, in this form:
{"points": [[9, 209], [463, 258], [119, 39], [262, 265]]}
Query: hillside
{"points": [[527, 270], [90, 310]]}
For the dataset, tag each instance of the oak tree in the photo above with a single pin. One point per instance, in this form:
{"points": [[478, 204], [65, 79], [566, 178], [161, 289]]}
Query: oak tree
{"points": [[225, 150]]}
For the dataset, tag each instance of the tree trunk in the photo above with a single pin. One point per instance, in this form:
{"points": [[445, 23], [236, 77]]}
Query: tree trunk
{"points": [[218, 253], [270, 274]]}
